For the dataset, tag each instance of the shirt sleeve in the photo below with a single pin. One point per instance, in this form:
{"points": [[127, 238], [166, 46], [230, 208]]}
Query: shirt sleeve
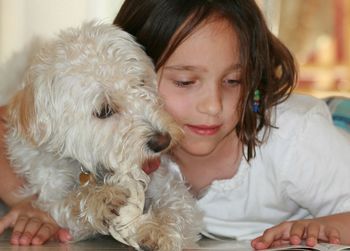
{"points": [[317, 174]]}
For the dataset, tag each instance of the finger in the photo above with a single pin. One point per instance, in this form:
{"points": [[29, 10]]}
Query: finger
{"points": [[279, 243], [296, 233], [333, 235], [258, 243], [18, 229], [30, 230], [44, 233], [312, 234], [268, 237], [63, 235], [254, 241], [6, 222]]}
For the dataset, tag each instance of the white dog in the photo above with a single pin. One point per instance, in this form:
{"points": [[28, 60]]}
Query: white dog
{"points": [[83, 123]]}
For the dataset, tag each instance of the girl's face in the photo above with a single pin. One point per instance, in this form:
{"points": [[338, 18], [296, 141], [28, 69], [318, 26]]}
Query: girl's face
{"points": [[200, 84]]}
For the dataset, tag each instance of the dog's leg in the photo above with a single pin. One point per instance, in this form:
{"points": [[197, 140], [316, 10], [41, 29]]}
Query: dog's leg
{"points": [[173, 220], [88, 210]]}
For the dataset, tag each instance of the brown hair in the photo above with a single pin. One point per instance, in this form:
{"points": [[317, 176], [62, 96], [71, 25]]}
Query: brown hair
{"points": [[267, 65]]}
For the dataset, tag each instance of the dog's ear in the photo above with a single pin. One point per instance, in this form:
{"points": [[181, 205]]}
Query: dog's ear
{"points": [[22, 115]]}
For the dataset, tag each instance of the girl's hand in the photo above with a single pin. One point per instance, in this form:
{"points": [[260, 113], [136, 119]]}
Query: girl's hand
{"points": [[31, 226], [294, 232]]}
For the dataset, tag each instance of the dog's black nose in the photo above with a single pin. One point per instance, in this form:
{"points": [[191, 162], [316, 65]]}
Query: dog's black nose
{"points": [[159, 141]]}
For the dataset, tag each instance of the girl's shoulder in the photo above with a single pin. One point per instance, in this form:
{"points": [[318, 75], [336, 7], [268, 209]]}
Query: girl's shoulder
{"points": [[297, 116], [299, 109], [302, 105]]}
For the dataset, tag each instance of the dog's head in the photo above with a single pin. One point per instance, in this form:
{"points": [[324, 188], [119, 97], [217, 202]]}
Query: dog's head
{"points": [[91, 95]]}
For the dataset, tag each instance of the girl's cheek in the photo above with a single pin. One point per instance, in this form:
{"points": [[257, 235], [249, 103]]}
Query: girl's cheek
{"points": [[176, 108]]}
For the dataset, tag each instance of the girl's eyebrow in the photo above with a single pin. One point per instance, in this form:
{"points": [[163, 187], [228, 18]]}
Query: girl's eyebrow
{"points": [[234, 67], [185, 68]]}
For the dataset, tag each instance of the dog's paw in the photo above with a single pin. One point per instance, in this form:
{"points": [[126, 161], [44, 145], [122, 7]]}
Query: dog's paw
{"points": [[153, 237], [113, 199], [103, 205]]}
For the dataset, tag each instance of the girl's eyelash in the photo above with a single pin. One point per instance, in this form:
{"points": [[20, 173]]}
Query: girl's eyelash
{"points": [[183, 83], [233, 81]]}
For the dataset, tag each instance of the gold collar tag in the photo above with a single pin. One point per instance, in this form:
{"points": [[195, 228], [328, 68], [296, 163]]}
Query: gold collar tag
{"points": [[86, 177]]}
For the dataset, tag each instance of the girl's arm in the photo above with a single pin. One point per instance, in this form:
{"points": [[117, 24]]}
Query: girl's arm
{"points": [[9, 182], [30, 225], [322, 150], [333, 229]]}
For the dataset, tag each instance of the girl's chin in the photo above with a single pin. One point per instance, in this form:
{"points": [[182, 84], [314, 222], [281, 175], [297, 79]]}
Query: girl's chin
{"points": [[199, 150]]}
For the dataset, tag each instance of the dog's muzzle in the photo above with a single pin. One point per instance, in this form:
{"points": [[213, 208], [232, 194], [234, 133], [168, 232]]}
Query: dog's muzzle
{"points": [[159, 142]]}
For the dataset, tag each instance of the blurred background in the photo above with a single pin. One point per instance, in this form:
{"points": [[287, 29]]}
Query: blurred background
{"points": [[318, 34], [316, 31], [20, 20]]}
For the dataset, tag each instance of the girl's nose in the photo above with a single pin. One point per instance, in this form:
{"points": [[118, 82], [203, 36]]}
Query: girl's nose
{"points": [[211, 102]]}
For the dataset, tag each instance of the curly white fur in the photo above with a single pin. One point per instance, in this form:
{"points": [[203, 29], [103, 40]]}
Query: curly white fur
{"points": [[89, 99]]}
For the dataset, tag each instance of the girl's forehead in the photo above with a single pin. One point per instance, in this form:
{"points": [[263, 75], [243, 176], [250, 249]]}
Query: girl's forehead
{"points": [[212, 46], [214, 32], [219, 23], [194, 35]]}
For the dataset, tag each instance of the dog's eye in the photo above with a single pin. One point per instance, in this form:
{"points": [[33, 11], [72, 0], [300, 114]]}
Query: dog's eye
{"points": [[105, 112]]}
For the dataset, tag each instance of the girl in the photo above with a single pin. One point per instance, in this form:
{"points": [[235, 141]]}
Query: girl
{"points": [[255, 156]]}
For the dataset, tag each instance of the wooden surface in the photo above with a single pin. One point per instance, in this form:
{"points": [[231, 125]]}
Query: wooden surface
{"points": [[109, 244]]}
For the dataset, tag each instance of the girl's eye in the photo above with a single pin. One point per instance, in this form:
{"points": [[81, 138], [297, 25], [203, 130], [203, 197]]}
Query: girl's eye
{"points": [[183, 83], [232, 82]]}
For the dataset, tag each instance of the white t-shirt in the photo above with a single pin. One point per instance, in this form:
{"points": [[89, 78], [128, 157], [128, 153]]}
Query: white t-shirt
{"points": [[302, 171]]}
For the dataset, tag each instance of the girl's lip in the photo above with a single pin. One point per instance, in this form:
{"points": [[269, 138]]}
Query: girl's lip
{"points": [[206, 130]]}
